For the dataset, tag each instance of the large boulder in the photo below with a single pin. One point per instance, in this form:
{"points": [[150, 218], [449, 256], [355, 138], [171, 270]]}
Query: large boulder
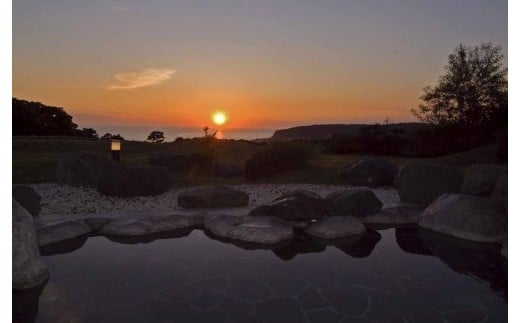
{"points": [[295, 205], [354, 201], [467, 217], [130, 181], [84, 168], [174, 162], [499, 193], [148, 225], [28, 269], [259, 229], [480, 179], [369, 172], [213, 196], [56, 231], [420, 183], [335, 227], [28, 198]]}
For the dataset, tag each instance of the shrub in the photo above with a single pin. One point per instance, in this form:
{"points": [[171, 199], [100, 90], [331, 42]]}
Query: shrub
{"points": [[276, 157]]}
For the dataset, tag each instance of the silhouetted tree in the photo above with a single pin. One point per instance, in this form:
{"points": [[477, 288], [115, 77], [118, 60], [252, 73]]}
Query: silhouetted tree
{"points": [[107, 136], [472, 92], [207, 134], [118, 137], [35, 118], [87, 133], [156, 137]]}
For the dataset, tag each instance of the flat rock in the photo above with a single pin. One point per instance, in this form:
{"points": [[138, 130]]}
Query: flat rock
{"points": [[421, 183], [355, 201], [213, 196], [336, 227], [480, 179], [29, 271], [28, 198], [466, 217], [395, 215], [295, 205], [55, 231], [258, 229], [148, 225], [369, 172]]}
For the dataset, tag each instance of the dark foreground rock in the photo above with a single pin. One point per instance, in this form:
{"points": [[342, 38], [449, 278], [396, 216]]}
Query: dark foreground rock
{"points": [[28, 269], [420, 183], [28, 198], [259, 229], [212, 196], [480, 179], [149, 225], [355, 201], [130, 181], [335, 227], [466, 217], [499, 193], [296, 205], [370, 172], [401, 214]]}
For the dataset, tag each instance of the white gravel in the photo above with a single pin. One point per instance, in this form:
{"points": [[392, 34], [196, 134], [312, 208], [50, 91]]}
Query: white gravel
{"points": [[63, 200]]}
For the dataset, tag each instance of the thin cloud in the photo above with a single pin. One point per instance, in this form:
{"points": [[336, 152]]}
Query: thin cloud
{"points": [[120, 9], [147, 77]]}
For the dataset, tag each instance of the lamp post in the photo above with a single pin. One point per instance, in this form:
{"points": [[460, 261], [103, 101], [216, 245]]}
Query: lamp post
{"points": [[115, 148]]}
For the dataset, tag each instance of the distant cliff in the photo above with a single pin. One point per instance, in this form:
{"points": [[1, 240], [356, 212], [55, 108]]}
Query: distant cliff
{"points": [[324, 131]]}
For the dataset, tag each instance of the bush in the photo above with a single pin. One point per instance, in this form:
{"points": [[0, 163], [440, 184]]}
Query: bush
{"points": [[276, 157]]}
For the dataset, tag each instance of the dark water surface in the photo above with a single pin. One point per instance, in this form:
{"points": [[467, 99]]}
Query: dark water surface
{"points": [[392, 275]]}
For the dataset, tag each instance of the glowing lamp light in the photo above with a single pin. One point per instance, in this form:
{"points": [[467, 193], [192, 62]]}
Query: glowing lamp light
{"points": [[115, 148]]}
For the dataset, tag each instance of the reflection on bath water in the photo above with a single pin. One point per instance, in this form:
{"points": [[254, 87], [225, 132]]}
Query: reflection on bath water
{"points": [[393, 275]]}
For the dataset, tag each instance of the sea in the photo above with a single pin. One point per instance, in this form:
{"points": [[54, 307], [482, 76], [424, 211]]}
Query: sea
{"points": [[139, 133]]}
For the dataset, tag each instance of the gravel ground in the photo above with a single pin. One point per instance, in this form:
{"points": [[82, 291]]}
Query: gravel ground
{"points": [[63, 200]]}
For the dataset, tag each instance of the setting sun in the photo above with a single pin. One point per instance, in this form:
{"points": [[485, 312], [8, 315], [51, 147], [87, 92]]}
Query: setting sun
{"points": [[219, 118]]}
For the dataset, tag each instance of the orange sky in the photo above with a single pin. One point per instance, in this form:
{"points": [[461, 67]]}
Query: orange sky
{"points": [[264, 64]]}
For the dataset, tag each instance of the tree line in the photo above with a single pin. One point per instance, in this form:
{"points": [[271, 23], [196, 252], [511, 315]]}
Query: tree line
{"points": [[467, 108]]}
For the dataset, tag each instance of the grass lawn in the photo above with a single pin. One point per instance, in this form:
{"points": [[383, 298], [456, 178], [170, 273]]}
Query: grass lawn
{"points": [[35, 159]]}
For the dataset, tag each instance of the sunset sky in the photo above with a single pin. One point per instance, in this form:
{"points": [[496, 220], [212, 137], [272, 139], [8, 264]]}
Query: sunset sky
{"points": [[263, 63]]}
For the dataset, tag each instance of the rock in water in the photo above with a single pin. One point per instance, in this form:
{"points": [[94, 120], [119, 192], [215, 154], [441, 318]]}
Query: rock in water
{"points": [[295, 205], [355, 201], [258, 229], [336, 227], [148, 225], [371, 173], [61, 230], [213, 196], [28, 198], [28, 269], [466, 217], [480, 179], [400, 214], [420, 183]]}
